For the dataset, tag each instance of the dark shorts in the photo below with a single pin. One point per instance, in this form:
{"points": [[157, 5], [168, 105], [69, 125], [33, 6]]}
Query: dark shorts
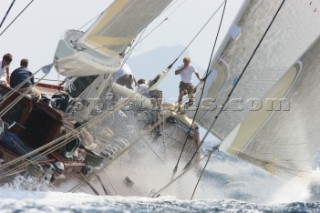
{"points": [[126, 81], [185, 87]]}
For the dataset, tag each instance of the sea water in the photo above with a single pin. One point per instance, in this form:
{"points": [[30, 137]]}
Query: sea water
{"points": [[26, 201], [227, 185]]}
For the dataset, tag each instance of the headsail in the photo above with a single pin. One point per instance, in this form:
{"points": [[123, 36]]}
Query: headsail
{"points": [[99, 50], [284, 140], [282, 46]]}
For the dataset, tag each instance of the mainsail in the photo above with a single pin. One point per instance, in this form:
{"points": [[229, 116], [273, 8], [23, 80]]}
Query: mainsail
{"points": [[100, 50]]}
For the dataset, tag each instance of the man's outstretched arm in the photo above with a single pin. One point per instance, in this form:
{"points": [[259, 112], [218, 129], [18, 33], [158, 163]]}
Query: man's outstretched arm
{"points": [[198, 76]]}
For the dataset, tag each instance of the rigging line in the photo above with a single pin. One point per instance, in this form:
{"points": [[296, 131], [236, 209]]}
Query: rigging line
{"points": [[120, 153], [46, 79], [24, 161], [154, 152], [243, 29], [184, 1], [166, 19], [215, 44], [100, 14], [65, 137], [204, 83], [141, 39], [7, 13], [156, 194], [202, 171], [171, 5], [236, 83], [103, 187], [16, 17], [132, 48], [192, 40], [9, 94], [107, 175]]}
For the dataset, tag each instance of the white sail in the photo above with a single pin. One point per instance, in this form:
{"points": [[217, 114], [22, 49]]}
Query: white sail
{"points": [[215, 83], [294, 30], [100, 50], [284, 139]]}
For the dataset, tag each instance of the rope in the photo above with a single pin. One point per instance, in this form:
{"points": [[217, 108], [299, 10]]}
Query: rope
{"points": [[69, 85], [202, 91], [192, 40], [236, 83], [135, 141], [46, 79], [154, 152], [9, 94], [7, 13], [166, 19], [16, 17], [100, 14], [62, 140], [156, 194], [204, 168], [191, 163]]}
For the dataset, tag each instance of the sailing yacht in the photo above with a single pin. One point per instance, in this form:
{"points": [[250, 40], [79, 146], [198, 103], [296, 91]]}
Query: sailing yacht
{"points": [[259, 98], [89, 141]]}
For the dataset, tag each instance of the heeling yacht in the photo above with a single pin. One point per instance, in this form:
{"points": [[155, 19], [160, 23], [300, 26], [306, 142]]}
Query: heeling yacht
{"points": [[262, 63], [84, 140]]}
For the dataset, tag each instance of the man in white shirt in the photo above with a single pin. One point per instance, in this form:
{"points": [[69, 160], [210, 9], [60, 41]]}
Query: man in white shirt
{"points": [[142, 88], [185, 71], [4, 69], [124, 77]]}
